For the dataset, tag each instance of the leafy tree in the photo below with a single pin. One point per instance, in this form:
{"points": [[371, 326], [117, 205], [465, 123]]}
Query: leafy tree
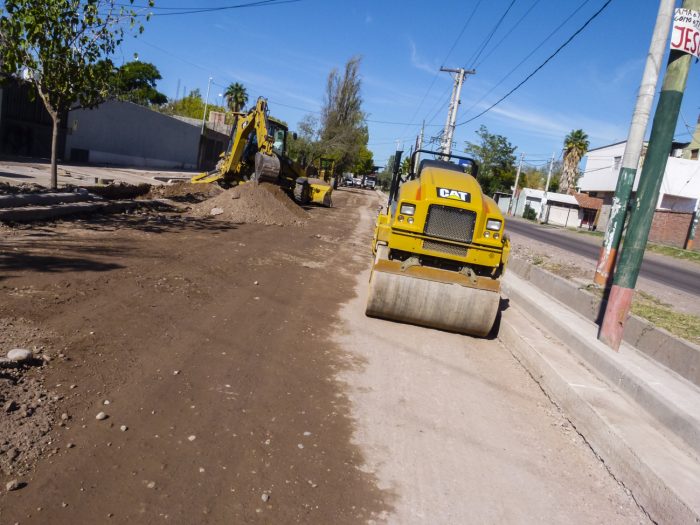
{"points": [[61, 46], [191, 106], [306, 148], [365, 162], [236, 96], [136, 82], [575, 147], [343, 128], [495, 155]]}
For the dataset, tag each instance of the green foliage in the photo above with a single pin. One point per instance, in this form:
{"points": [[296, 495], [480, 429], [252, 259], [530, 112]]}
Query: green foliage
{"points": [[343, 130], [575, 147], [136, 82], [63, 46], [306, 148], [529, 213], [496, 159], [364, 165], [191, 106], [236, 96]]}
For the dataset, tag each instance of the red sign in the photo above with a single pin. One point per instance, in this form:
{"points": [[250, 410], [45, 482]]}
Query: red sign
{"points": [[686, 31]]}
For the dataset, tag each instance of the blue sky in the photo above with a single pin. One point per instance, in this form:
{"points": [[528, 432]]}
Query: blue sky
{"points": [[285, 53]]}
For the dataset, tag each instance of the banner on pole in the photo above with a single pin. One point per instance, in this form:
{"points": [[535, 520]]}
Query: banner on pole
{"points": [[686, 31]]}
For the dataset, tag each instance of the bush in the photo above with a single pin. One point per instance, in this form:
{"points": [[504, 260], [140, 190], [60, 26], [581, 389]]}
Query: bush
{"points": [[530, 214]]}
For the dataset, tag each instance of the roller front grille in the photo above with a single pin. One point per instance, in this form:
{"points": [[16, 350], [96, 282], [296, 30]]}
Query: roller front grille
{"points": [[450, 223], [445, 247]]}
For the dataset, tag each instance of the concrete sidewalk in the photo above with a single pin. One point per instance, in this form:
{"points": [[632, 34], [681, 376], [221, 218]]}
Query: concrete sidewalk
{"points": [[638, 416]]}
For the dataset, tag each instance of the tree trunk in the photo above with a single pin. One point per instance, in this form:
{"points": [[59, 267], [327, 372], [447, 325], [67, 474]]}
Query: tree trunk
{"points": [[54, 147]]}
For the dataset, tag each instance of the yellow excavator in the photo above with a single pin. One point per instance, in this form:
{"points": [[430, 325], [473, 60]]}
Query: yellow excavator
{"points": [[257, 152], [440, 249]]}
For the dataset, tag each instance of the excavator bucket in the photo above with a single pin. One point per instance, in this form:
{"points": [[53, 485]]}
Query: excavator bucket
{"points": [[426, 296], [267, 167]]}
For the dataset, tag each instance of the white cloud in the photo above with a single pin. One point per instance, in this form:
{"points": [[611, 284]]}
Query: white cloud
{"points": [[420, 63], [558, 125]]}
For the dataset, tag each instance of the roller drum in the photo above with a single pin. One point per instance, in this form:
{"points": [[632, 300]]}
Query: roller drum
{"points": [[445, 306]]}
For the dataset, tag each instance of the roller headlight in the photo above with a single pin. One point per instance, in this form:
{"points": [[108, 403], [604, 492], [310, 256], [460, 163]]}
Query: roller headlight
{"points": [[493, 224], [408, 209]]}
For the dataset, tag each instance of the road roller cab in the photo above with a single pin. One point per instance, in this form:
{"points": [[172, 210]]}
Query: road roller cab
{"points": [[440, 249]]}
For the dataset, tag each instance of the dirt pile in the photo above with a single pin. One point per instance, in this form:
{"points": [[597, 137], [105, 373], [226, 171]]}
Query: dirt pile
{"points": [[184, 191], [253, 203]]}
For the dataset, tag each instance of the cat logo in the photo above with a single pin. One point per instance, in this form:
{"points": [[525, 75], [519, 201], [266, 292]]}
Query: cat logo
{"points": [[454, 194]]}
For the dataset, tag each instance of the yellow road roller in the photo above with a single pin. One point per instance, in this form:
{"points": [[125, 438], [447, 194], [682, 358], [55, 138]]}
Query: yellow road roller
{"points": [[440, 248]]}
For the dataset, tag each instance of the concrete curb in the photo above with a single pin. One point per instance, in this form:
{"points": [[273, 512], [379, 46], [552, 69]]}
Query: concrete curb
{"points": [[670, 399], [56, 211], [683, 357], [662, 478], [42, 199]]}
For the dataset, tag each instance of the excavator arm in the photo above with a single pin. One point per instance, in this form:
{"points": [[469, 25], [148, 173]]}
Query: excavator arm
{"points": [[232, 164]]}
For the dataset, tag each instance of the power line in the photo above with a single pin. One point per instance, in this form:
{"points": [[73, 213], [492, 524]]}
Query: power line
{"points": [[507, 33], [514, 69], [486, 41], [550, 57], [174, 11], [435, 76]]}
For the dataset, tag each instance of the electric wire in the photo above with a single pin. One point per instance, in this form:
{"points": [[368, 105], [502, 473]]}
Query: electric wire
{"points": [[507, 33], [515, 68], [547, 60], [486, 41]]}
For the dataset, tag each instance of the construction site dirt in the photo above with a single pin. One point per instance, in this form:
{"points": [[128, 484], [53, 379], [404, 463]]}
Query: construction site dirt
{"points": [[238, 381]]}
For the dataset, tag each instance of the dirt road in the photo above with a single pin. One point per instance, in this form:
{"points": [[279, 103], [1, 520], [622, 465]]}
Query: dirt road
{"points": [[251, 388]]}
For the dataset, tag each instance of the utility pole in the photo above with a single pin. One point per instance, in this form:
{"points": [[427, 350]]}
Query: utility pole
{"points": [[206, 103], [693, 227], [546, 189], [515, 188], [635, 142], [446, 146], [665, 118], [419, 145]]}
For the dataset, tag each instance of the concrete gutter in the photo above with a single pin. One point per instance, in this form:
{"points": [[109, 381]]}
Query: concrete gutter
{"points": [[679, 355], [639, 417]]}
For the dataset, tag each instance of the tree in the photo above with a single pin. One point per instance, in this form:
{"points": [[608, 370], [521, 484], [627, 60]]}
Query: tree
{"points": [[343, 128], [191, 106], [236, 96], [496, 159], [575, 147], [136, 82], [365, 162], [306, 148], [62, 47]]}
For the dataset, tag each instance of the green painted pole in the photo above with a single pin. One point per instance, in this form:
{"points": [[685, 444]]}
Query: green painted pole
{"points": [[662, 130], [635, 143]]}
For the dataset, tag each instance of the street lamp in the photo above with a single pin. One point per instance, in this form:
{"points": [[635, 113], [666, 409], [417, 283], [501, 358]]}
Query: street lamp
{"points": [[206, 103]]}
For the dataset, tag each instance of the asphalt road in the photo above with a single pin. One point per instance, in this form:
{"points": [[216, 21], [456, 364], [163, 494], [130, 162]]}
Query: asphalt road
{"points": [[678, 276]]}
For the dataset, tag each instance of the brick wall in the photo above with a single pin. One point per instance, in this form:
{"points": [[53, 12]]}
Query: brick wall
{"points": [[670, 227]]}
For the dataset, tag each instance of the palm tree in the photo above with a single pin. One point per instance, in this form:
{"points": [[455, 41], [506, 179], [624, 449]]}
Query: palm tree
{"points": [[236, 96], [575, 147]]}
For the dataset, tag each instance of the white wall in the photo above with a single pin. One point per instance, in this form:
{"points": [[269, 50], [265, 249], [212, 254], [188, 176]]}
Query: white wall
{"points": [[562, 216]]}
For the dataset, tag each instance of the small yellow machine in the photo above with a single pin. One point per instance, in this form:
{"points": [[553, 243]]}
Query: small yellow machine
{"points": [[439, 248], [257, 152]]}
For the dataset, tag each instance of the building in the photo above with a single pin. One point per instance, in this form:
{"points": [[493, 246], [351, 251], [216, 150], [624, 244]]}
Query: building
{"points": [[127, 134], [680, 189], [26, 127]]}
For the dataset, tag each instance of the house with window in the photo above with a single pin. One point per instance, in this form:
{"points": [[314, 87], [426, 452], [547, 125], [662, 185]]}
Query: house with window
{"points": [[680, 189]]}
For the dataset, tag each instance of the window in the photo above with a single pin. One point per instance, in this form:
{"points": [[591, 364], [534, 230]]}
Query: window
{"points": [[616, 163], [694, 154]]}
